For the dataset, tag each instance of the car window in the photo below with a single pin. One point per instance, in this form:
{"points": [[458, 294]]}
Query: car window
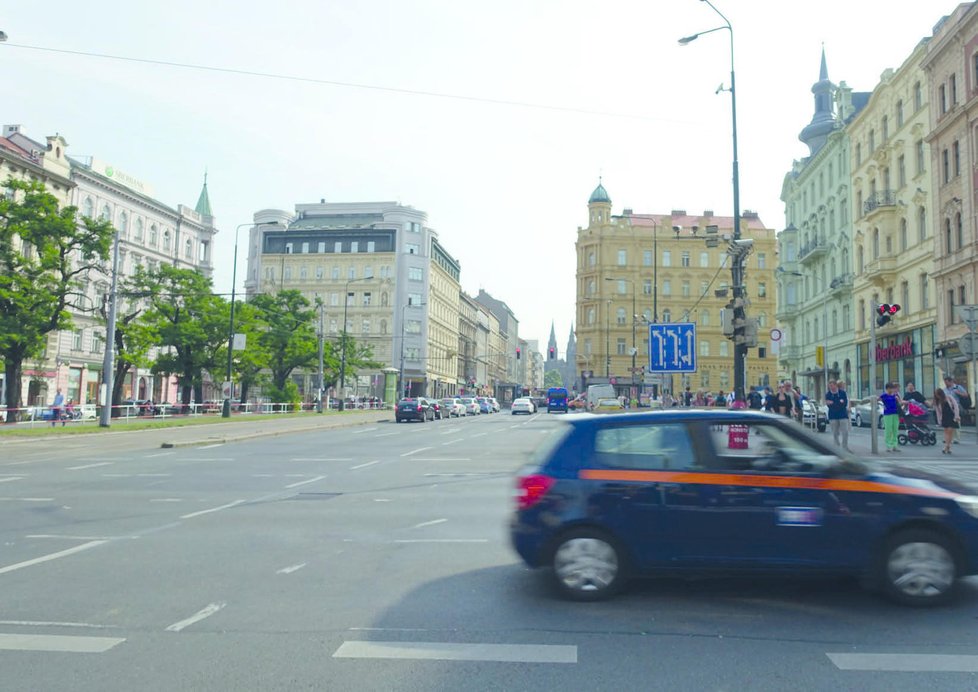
{"points": [[665, 446], [767, 447]]}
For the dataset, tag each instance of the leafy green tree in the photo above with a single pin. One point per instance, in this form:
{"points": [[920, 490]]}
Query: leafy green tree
{"points": [[187, 322], [44, 254], [289, 335], [552, 378], [247, 364], [132, 342], [359, 356]]}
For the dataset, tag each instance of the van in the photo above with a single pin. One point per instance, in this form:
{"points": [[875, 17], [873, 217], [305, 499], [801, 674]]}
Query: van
{"points": [[599, 391]]}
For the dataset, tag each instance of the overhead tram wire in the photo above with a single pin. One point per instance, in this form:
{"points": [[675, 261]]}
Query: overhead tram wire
{"points": [[348, 85]]}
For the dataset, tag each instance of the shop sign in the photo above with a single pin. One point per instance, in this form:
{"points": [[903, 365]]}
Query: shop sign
{"points": [[895, 351]]}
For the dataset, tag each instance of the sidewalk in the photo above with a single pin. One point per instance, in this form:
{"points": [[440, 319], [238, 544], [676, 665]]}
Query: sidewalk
{"points": [[236, 429], [860, 443]]}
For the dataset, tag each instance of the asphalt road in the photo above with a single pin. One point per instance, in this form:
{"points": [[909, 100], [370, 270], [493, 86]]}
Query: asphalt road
{"points": [[376, 557]]}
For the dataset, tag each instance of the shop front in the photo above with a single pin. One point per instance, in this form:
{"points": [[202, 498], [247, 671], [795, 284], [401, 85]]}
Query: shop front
{"points": [[901, 357]]}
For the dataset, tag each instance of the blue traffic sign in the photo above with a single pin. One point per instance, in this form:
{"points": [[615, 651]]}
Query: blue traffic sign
{"points": [[672, 347]]}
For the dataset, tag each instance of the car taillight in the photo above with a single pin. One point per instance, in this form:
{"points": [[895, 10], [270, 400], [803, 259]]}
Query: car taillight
{"points": [[531, 489]]}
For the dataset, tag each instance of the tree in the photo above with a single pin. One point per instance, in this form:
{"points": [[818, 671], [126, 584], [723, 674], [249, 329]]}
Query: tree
{"points": [[187, 322], [45, 252], [248, 363], [289, 335], [552, 378], [132, 342]]}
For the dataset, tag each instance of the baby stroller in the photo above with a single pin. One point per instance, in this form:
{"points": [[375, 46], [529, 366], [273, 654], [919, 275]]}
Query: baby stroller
{"points": [[917, 430]]}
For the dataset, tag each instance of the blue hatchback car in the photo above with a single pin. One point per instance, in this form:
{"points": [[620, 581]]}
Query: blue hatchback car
{"points": [[614, 496]]}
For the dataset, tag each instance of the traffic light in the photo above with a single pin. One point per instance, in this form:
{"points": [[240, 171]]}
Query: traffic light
{"points": [[517, 353], [551, 356], [885, 313]]}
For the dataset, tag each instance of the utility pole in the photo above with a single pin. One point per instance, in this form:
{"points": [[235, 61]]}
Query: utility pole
{"points": [[322, 388], [874, 422], [108, 361]]}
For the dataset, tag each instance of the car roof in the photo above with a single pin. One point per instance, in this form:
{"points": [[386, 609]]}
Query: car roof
{"points": [[672, 416]]}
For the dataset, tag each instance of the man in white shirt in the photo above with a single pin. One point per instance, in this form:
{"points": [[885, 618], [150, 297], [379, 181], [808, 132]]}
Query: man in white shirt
{"points": [[953, 389]]}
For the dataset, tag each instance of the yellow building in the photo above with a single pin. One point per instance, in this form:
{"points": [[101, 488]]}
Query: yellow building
{"points": [[444, 305], [893, 242], [667, 268]]}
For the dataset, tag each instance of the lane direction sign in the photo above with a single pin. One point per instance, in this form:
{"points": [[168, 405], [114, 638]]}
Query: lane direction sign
{"points": [[672, 347]]}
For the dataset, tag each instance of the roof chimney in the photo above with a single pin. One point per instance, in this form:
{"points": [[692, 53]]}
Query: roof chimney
{"points": [[679, 212], [627, 212], [707, 213]]}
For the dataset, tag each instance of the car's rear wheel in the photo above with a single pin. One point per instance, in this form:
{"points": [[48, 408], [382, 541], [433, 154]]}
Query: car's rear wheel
{"points": [[858, 421], [587, 565], [919, 568]]}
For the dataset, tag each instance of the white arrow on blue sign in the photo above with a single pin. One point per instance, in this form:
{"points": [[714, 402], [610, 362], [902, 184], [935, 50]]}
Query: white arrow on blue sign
{"points": [[672, 347]]}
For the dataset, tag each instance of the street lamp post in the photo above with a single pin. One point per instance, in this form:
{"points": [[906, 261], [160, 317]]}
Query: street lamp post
{"points": [[346, 307], [226, 409], [737, 267]]}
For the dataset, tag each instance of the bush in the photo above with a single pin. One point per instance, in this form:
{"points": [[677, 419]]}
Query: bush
{"points": [[287, 395]]}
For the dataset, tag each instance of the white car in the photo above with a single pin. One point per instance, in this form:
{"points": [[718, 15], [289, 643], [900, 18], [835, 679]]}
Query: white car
{"points": [[453, 407], [522, 405], [471, 406]]}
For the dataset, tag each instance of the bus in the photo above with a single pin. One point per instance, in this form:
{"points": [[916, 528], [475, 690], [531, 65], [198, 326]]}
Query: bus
{"points": [[557, 399]]}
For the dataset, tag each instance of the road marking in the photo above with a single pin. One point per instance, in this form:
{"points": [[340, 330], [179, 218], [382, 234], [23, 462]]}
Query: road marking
{"points": [[153, 475], [363, 430], [166, 499], [207, 458], [445, 651], [381, 499], [442, 540], [57, 642], [429, 523], [196, 617], [43, 623], [261, 475], [311, 480], [15, 478], [909, 663], [90, 466], [52, 556], [296, 475], [360, 466], [386, 434], [443, 459], [415, 451], [26, 499], [212, 509], [290, 570], [219, 444], [321, 459], [466, 473], [72, 538], [480, 434], [116, 475], [161, 454], [451, 442]]}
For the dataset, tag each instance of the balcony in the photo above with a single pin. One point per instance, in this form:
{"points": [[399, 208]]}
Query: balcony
{"points": [[786, 311], [878, 201], [881, 270], [811, 250], [840, 285], [791, 353]]}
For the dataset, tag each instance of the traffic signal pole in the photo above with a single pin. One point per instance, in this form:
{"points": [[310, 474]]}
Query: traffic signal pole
{"points": [[874, 423]]}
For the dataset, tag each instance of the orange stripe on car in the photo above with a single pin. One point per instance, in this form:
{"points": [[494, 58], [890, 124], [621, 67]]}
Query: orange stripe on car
{"points": [[759, 481]]}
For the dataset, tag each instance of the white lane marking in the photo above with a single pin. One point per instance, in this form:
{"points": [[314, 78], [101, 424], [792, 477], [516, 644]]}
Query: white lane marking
{"points": [[116, 475], [26, 499], [480, 434], [360, 466], [442, 540], [429, 523], [219, 444], [57, 642], [90, 466], [451, 442], [51, 556], [321, 459], [381, 499], [415, 451], [447, 651], [166, 499], [153, 475], [161, 454], [363, 430], [443, 459], [207, 459], [291, 569], [212, 509], [196, 617], [386, 434], [15, 478], [453, 431], [311, 480], [909, 663], [73, 538], [44, 623], [296, 475], [261, 475]]}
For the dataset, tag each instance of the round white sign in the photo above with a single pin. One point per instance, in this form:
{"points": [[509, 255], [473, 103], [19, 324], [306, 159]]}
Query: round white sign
{"points": [[776, 334]]}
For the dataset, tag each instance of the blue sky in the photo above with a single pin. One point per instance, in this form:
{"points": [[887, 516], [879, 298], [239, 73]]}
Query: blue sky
{"points": [[506, 186]]}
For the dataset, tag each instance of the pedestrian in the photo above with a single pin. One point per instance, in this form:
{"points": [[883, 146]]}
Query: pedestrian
{"points": [[754, 399], [783, 402], [738, 403], [69, 412], [838, 404], [721, 400], [892, 403], [57, 407], [948, 416], [961, 398], [913, 395], [687, 398]]}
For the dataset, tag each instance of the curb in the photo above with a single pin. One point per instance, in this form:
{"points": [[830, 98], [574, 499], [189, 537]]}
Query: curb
{"points": [[269, 433]]}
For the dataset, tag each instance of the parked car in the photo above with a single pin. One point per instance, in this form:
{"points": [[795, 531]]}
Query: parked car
{"points": [[815, 417], [484, 405], [495, 404], [687, 492], [860, 416], [454, 407], [438, 411], [413, 408], [522, 405], [471, 406], [608, 406]]}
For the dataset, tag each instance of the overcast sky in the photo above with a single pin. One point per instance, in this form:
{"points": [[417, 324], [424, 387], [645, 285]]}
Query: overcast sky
{"points": [[505, 186]]}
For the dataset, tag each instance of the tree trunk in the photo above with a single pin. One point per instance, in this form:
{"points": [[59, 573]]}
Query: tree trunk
{"points": [[13, 370], [121, 370], [199, 393], [245, 384]]}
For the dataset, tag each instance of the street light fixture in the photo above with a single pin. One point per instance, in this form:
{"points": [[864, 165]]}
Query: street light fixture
{"points": [[737, 267], [346, 307], [226, 409]]}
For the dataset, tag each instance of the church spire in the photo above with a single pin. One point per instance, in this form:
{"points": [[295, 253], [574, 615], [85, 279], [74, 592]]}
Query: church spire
{"points": [[204, 201], [823, 122]]}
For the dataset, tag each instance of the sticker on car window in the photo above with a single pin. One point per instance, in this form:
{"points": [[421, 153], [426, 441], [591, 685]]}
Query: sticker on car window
{"points": [[799, 516]]}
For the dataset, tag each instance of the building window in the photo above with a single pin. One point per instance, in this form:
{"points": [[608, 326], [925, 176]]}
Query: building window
{"points": [[166, 239], [859, 154], [270, 273], [905, 295], [288, 248], [921, 158], [188, 249], [303, 273], [321, 246], [622, 258], [872, 141], [666, 258], [761, 260], [956, 148], [414, 299], [704, 259], [621, 287], [76, 341], [952, 318], [365, 326], [686, 291], [334, 273], [959, 230], [761, 290], [368, 272], [902, 170], [667, 287], [620, 315], [862, 314], [412, 248], [590, 316], [320, 272], [947, 236], [354, 246], [351, 298], [667, 315], [903, 234], [953, 82], [647, 258], [337, 247], [724, 349], [924, 297], [98, 342], [647, 287], [918, 96], [371, 246], [351, 273], [899, 114], [591, 259], [366, 298], [876, 243], [685, 258], [704, 348], [942, 99], [704, 318], [415, 274], [620, 347], [587, 347], [288, 274]]}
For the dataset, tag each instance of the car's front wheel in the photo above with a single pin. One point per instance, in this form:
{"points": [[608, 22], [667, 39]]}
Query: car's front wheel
{"points": [[859, 421], [587, 565], [919, 568]]}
